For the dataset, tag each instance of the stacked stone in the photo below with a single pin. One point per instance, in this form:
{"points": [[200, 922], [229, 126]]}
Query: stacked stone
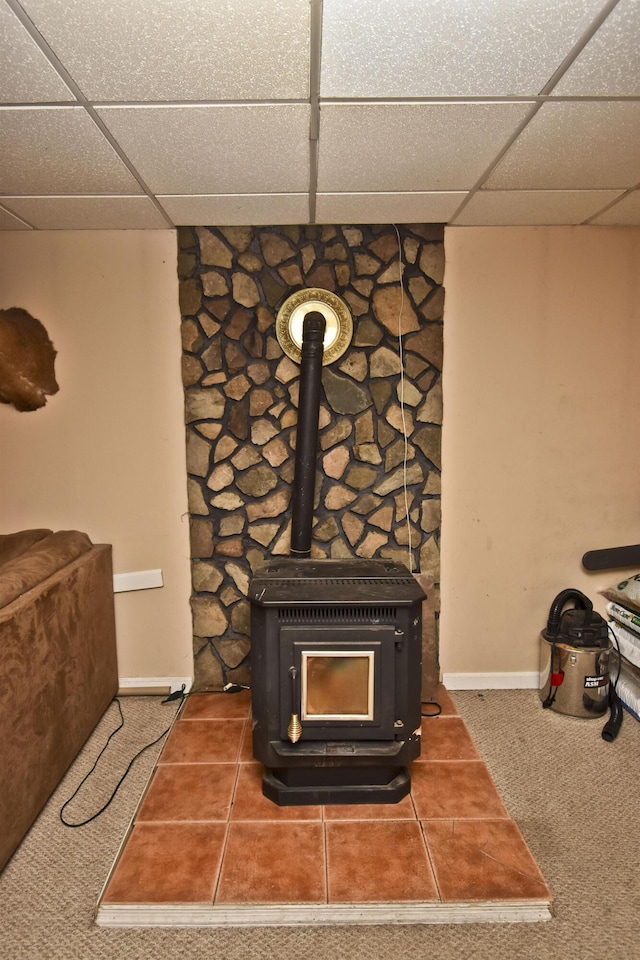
{"points": [[378, 472]]}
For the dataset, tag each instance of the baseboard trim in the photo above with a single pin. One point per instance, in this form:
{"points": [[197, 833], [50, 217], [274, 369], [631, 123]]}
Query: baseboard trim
{"points": [[525, 680], [152, 686]]}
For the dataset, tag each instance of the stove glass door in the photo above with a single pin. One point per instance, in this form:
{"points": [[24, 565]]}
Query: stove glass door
{"points": [[343, 681], [337, 685]]}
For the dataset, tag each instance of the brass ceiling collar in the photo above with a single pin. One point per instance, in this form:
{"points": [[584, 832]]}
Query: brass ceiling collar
{"points": [[338, 332]]}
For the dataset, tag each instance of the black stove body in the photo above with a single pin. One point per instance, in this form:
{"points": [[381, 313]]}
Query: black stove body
{"points": [[336, 670]]}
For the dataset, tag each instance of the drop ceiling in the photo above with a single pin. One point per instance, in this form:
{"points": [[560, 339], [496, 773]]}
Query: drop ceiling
{"points": [[158, 113]]}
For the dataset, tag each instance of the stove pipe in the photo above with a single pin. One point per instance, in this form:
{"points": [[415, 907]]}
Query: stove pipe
{"points": [[307, 434]]}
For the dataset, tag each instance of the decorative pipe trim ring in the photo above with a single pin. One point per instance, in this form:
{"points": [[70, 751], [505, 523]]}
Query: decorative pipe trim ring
{"points": [[339, 323]]}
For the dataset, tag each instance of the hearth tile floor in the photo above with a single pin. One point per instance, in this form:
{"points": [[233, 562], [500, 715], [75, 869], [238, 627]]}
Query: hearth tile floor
{"points": [[206, 848]]}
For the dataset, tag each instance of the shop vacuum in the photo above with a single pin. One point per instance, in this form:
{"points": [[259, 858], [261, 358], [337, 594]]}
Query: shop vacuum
{"points": [[574, 663]]}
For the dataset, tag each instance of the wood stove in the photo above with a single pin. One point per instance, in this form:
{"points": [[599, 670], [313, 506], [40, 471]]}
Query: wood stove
{"points": [[336, 664], [336, 650]]}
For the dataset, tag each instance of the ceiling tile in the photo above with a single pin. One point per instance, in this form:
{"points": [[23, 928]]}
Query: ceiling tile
{"points": [[625, 213], [180, 49], [411, 146], [432, 48], [532, 207], [610, 63], [26, 76], [58, 150], [581, 145], [216, 149], [7, 222], [88, 213], [386, 207], [237, 210]]}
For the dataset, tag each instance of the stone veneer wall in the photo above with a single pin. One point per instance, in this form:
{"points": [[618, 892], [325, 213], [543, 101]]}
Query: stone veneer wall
{"points": [[241, 394]]}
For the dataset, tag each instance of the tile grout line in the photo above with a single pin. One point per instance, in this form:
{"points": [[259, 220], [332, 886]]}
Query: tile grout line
{"points": [[326, 856], [430, 859], [325, 842], [216, 885], [426, 846]]}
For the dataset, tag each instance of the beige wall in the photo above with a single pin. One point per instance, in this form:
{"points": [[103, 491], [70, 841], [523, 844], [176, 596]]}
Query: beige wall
{"points": [[541, 460], [106, 455], [542, 337]]}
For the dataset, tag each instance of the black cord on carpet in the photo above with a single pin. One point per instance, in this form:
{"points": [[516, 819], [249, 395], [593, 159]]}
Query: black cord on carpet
{"points": [[177, 695], [148, 746]]}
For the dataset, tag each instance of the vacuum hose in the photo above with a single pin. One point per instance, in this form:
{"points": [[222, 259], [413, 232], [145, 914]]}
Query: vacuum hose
{"points": [[553, 623], [611, 728]]}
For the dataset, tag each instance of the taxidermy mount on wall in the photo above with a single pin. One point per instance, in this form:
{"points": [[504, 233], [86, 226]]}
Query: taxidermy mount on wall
{"points": [[27, 358]]}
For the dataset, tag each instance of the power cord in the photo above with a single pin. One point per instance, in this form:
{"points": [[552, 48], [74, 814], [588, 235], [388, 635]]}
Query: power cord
{"points": [[431, 703], [611, 728], [176, 695]]}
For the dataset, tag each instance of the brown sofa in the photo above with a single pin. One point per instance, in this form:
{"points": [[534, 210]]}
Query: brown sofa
{"points": [[58, 669]]}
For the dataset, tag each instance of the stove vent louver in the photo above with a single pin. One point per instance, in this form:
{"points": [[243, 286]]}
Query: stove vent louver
{"points": [[342, 582], [337, 614]]}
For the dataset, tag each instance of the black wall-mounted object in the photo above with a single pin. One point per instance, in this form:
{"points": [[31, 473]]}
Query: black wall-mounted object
{"points": [[612, 557]]}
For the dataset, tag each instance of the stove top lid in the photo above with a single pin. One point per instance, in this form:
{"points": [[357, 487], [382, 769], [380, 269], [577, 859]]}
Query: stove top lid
{"points": [[293, 581]]}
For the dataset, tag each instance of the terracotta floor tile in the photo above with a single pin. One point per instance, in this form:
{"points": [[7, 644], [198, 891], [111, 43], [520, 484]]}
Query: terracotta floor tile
{"points": [[217, 706], [168, 863], [189, 791], [446, 738], [371, 811], [375, 852], [483, 860], [249, 803], [454, 789], [203, 741], [273, 863], [378, 862]]}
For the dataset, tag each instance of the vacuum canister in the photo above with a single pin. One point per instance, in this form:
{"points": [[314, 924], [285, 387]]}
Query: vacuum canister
{"points": [[574, 658]]}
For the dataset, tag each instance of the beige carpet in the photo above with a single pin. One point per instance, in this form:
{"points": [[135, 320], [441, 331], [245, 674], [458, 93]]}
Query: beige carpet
{"points": [[574, 797]]}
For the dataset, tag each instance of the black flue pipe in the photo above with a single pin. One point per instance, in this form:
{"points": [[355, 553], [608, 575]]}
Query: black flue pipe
{"points": [[307, 434]]}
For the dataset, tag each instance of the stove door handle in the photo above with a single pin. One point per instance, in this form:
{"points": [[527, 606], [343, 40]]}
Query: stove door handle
{"points": [[294, 730]]}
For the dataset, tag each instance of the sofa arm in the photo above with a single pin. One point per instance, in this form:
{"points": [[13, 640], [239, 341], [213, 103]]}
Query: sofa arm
{"points": [[58, 674], [39, 562]]}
